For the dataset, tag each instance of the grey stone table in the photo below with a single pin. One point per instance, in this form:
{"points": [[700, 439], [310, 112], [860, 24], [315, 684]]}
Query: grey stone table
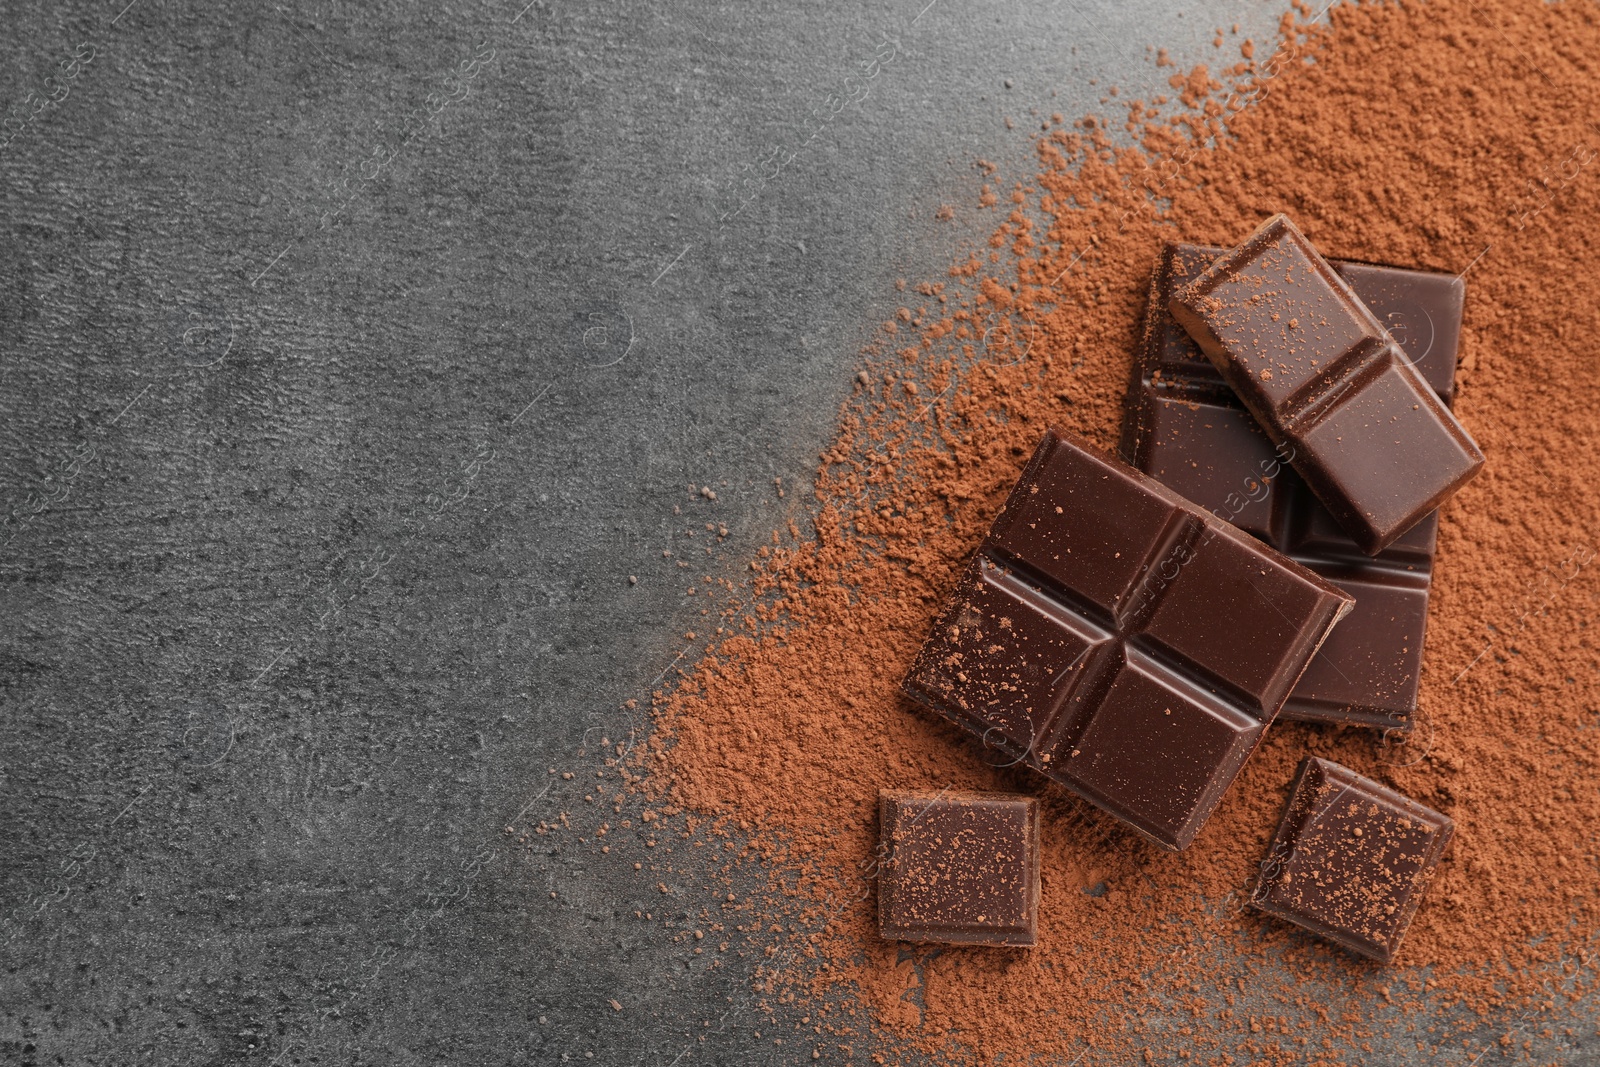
{"points": [[352, 359]]}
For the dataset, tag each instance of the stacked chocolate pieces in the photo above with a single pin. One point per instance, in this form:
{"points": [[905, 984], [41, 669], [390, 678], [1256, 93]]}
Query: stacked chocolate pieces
{"points": [[1131, 631], [1184, 426]]}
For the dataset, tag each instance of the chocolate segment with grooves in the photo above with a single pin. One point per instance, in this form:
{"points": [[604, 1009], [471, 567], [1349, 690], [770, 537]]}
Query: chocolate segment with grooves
{"points": [[1118, 639], [1185, 427], [959, 868], [1350, 859], [1328, 384]]}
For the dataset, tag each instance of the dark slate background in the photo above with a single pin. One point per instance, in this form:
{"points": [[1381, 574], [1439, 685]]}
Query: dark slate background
{"points": [[352, 357]]}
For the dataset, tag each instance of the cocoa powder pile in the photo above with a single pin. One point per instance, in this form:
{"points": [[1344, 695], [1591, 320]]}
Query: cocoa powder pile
{"points": [[1452, 136]]}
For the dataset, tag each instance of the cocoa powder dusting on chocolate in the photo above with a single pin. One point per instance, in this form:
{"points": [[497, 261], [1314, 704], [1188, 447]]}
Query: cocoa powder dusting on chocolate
{"points": [[1454, 136]]}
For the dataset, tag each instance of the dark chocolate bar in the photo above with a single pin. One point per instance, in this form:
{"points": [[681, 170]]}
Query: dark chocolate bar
{"points": [[959, 868], [1185, 427], [1328, 384], [1122, 641], [1350, 859]]}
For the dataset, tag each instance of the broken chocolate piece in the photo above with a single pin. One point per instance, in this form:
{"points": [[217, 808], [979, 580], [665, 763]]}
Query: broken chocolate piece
{"points": [[1328, 384], [1115, 637], [959, 868], [1350, 859]]}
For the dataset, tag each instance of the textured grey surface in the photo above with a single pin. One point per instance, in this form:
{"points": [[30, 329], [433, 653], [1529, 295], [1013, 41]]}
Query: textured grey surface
{"points": [[354, 357]]}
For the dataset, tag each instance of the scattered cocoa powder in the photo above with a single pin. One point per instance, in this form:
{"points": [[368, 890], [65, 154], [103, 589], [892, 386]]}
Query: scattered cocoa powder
{"points": [[1452, 135]]}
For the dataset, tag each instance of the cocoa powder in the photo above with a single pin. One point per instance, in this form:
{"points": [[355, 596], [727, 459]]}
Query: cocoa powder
{"points": [[1454, 136]]}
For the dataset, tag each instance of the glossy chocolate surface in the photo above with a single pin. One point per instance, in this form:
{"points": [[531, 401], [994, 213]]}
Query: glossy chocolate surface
{"points": [[1118, 639], [959, 868], [1350, 859], [1185, 427], [1331, 388]]}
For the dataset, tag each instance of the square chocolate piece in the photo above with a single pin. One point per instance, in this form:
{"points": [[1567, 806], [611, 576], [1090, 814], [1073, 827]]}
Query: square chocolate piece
{"points": [[1185, 427], [1329, 385], [1350, 859], [1121, 641], [959, 868]]}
